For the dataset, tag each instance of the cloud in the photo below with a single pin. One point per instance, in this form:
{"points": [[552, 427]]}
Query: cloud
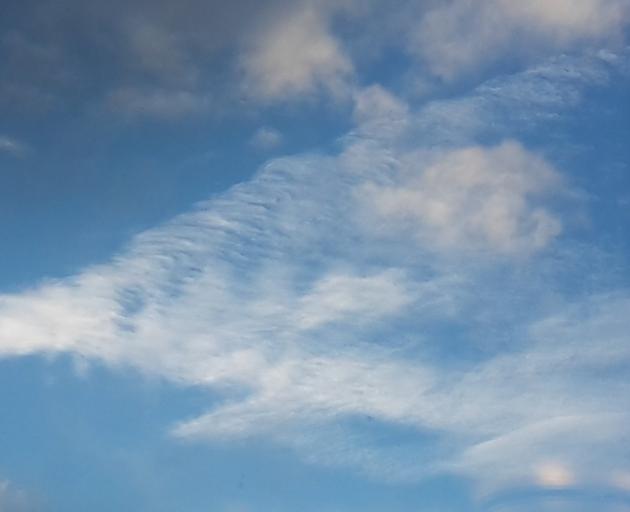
{"points": [[296, 56], [145, 55], [476, 197], [312, 325], [461, 36], [266, 138]]}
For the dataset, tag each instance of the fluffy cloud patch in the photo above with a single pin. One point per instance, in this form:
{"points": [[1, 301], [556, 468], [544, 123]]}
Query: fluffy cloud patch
{"points": [[477, 197], [295, 56]]}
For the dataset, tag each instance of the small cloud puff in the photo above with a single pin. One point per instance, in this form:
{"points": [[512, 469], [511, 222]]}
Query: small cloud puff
{"points": [[297, 56]]}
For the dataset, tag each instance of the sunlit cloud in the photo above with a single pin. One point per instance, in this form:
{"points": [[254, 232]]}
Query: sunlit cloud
{"points": [[476, 197]]}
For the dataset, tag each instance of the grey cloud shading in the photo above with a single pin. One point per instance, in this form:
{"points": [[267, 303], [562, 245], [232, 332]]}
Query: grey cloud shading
{"points": [[196, 57], [157, 52], [476, 196], [296, 56]]}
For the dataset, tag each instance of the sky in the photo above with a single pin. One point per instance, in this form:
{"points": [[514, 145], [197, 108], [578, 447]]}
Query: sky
{"points": [[326, 256]]}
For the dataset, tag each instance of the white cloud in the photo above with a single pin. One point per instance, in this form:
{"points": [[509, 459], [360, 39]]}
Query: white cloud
{"points": [[476, 197], [554, 474], [462, 35], [296, 56]]}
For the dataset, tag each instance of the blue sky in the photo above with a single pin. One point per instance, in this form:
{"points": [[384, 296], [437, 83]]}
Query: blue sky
{"points": [[326, 256]]}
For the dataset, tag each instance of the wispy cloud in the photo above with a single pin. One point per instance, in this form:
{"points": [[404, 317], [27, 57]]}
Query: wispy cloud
{"points": [[295, 57], [475, 196]]}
